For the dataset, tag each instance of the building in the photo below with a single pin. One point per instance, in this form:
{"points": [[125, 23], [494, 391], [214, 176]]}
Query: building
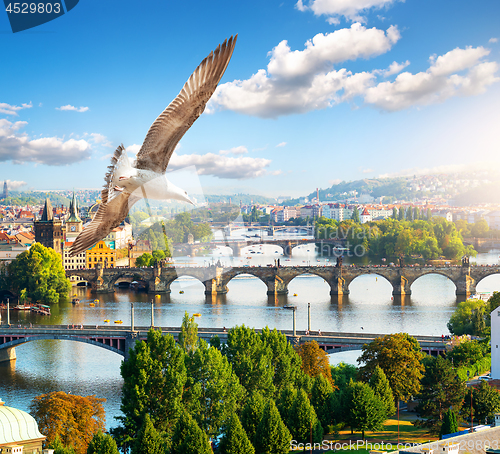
{"points": [[48, 230], [101, 253], [73, 227], [139, 248], [5, 193], [365, 217], [19, 432]]}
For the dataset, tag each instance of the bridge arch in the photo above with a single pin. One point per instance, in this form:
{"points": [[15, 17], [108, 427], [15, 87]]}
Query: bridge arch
{"points": [[248, 271], [425, 273], [24, 340], [488, 275], [327, 287]]}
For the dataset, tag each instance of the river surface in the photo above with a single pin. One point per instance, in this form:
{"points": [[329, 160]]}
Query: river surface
{"points": [[79, 368]]}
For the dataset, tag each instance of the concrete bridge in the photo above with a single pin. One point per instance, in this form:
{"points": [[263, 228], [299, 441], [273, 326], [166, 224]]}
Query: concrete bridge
{"points": [[287, 245], [215, 279], [119, 339]]}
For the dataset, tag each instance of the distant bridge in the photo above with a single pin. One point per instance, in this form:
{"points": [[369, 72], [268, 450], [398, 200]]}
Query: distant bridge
{"points": [[119, 339], [215, 279]]}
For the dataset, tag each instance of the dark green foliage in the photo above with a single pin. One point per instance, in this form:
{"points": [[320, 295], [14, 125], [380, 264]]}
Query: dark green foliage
{"points": [[441, 390], [286, 401], [382, 389], [188, 337], [188, 438], [285, 361], [154, 377], [148, 441], [467, 353], [39, 270], [212, 391], [235, 440], [450, 425], [102, 444], [59, 448], [272, 435], [252, 414], [251, 359], [302, 420], [464, 319], [485, 402], [355, 214], [365, 411], [342, 374], [322, 400]]}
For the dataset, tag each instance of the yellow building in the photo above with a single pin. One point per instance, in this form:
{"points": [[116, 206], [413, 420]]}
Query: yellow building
{"points": [[103, 254]]}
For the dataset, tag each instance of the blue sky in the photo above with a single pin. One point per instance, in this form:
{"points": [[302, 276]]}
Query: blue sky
{"points": [[317, 91]]}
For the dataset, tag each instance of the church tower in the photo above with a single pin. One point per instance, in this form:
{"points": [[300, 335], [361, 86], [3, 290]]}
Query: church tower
{"points": [[73, 224], [48, 231], [5, 191]]}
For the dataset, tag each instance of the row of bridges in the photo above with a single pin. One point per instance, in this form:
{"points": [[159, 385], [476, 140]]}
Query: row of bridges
{"points": [[120, 339], [216, 278]]}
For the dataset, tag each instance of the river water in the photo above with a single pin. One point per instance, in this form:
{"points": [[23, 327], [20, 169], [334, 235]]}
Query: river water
{"points": [[79, 368]]}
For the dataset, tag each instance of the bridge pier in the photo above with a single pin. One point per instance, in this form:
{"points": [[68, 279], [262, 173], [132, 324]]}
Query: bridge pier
{"points": [[215, 286], [401, 286], [276, 287], [130, 341], [339, 286], [7, 354], [236, 248], [466, 285]]}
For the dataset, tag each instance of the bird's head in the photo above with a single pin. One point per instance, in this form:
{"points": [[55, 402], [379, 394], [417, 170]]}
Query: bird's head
{"points": [[179, 194]]}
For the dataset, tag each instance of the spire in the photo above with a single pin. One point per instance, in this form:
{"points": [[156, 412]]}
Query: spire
{"points": [[73, 210], [47, 214]]}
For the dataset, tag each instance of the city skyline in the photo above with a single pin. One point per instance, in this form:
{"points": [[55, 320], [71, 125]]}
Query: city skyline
{"points": [[317, 92]]}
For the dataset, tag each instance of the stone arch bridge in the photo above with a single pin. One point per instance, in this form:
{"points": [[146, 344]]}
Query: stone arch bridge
{"points": [[215, 279]]}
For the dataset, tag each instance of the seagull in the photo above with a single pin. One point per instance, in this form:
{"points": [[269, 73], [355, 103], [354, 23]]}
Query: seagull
{"points": [[126, 183]]}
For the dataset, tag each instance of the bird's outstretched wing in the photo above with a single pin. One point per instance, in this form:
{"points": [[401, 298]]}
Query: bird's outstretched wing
{"points": [[182, 112], [112, 210]]}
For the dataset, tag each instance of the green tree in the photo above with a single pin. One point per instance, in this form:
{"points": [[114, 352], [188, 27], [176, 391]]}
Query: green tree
{"points": [[39, 270], [148, 440], [252, 414], [144, 260], [382, 389], [485, 402], [342, 374], [153, 381], [188, 438], [235, 440], [251, 359], [441, 390], [450, 425], [188, 337], [399, 356], [322, 400], [302, 420], [212, 392], [71, 418], [272, 435], [355, 215], [285, 361], [480, 229], [365, 411], [461, 321], [58, 447], [102, 444], [467, 353]]}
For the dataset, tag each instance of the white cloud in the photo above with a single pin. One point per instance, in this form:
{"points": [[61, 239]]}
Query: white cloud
{"points": [[19, 148], [367, 171], [70, 107], [235, 150], [445, 169], [300, 81], [100, 139], [282, 144], [221, 166], [334, 9], [394, 68], [493, 40], [440, 82], [12, 110], [15, 185], [276, 172]]}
